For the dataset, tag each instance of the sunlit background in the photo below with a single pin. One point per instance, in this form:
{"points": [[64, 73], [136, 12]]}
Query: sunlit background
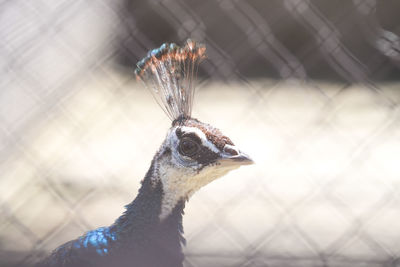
{"points": [[309, 89]]}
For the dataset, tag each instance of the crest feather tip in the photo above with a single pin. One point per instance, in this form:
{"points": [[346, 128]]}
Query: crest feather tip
{"points": [[169, 72]]}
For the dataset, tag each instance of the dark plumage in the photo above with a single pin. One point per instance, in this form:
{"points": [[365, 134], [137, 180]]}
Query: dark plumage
{"points": [[137, 238], [192, 155]]}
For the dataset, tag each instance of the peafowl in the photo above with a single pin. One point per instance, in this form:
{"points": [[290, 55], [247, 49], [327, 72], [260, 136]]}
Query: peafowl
{"points": [[150, 233]]}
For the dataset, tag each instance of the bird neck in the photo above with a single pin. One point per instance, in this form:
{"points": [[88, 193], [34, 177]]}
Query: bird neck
{"points": [[140, 227]]}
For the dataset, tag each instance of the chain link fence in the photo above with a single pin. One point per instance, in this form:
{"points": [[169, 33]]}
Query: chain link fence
{"points": [[309, 89]]}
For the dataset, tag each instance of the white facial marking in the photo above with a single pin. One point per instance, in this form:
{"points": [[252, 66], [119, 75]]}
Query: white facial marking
{"points": [[181, 178], [202, 136], [181, 184]]}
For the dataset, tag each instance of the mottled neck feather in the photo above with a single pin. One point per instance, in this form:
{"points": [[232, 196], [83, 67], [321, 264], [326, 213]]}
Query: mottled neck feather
{"points": [[140, 231]]}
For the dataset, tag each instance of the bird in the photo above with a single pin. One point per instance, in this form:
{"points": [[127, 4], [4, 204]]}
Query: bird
{"points": [[150, 233]]}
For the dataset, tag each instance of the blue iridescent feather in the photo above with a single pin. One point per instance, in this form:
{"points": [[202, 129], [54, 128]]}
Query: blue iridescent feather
{"points": [[99, 240]]}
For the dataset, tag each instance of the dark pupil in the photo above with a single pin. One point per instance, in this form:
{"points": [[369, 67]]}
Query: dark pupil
{"points": [[188, 147]]}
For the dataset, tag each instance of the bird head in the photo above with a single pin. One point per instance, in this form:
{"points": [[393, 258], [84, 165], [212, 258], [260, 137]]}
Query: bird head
{"points": [[194, 153]]}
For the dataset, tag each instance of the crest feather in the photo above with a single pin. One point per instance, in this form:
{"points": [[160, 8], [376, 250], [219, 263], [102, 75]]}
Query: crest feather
{"points": [[169, 72]]}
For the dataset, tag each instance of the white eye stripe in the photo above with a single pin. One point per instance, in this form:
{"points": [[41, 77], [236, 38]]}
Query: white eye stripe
{"points": [[204, 141]]}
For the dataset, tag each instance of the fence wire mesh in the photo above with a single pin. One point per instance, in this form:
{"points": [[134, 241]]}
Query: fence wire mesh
{"points": [[310, 89]]}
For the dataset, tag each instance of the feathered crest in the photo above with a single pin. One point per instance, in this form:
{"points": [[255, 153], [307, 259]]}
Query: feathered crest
{"points": [[169, 71]]}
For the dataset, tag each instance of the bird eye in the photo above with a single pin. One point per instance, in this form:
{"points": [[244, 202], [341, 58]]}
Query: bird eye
{"points": [[188, 147]]}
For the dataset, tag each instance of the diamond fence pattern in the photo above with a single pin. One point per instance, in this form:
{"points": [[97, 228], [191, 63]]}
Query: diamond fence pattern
{"points": [[310, 89]]}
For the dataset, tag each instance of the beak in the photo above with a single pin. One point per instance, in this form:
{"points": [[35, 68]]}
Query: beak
{"points": [[232, 156]]}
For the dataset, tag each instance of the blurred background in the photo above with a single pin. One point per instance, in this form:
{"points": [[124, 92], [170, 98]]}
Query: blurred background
{"points": [[310, 89]]}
